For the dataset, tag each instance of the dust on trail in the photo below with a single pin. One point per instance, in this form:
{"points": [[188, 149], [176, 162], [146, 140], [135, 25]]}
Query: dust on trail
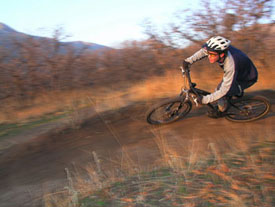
{"points": [[120, 138]]}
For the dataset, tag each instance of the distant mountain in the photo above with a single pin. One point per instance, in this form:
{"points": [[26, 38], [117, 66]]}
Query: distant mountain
{"points": [[8, 35], [6, 29], [89, 46]]}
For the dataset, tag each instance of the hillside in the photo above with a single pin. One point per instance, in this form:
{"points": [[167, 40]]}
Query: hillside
{"points": [[9, 35]]}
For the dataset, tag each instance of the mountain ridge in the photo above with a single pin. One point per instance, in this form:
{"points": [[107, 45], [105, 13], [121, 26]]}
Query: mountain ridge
{"points": [[7, 33], [6, 28]]}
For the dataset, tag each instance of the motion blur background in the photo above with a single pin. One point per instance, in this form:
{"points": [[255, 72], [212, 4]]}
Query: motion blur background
{"points": [[105, 56]]}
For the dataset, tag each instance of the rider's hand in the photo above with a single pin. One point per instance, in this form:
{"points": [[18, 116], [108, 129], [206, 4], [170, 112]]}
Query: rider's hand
{"points": [[185, 64]]}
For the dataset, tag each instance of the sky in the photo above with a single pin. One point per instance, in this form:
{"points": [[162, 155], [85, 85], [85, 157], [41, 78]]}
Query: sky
{"points": [[106, 22]]}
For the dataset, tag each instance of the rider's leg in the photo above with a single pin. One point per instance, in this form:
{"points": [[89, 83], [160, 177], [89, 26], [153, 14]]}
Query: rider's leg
{"points": [[223, 104], [214, 111], [235, 90]]}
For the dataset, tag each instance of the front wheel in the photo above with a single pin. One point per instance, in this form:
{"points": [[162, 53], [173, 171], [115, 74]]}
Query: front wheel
{"points": [[248, 109], [168, 111]]}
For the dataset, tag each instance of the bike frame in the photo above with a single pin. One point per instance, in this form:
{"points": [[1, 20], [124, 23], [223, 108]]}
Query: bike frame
{"points": [[199, 92], [192, 89]]}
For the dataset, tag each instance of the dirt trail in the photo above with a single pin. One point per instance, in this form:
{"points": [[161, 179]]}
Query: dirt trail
{"points": [[30, 169]]}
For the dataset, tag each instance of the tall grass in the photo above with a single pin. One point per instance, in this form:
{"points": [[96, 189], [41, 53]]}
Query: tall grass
{"points": [[239, 178]]}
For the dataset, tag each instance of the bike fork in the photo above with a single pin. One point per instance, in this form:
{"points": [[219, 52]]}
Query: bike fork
{"points": [[167, 110]]}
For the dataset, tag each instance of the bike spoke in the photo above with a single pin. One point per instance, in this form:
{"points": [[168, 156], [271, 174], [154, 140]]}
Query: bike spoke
{"points": [[168, 112], [165, 113]]}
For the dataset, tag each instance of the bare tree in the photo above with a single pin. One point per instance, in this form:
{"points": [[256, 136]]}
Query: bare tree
{"points": [[235, 19]]}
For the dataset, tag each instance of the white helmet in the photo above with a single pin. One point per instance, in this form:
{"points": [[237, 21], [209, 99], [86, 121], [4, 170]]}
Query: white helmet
{"points": [[217, 44]]}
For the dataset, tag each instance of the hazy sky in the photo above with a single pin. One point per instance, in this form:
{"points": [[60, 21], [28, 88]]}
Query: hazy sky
{"points": [[107, 22]]}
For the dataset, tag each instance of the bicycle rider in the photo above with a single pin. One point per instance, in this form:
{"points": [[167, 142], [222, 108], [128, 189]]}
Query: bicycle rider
{"points": [[239, 72]]}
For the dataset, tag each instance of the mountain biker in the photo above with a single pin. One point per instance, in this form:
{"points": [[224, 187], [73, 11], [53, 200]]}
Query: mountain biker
{"points": [[239, 72]]}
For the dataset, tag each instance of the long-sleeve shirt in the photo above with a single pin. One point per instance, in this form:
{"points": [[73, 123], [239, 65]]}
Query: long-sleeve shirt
{"points": [[239, 71]]}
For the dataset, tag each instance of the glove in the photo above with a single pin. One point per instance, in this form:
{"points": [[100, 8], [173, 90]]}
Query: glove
{"points": [[185, 64]]}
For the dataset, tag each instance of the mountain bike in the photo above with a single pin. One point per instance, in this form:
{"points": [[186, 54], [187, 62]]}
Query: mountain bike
{"points": [[242, 108]]}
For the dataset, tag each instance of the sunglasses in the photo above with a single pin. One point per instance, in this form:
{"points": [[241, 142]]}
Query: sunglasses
{"points": [[212, 54]]}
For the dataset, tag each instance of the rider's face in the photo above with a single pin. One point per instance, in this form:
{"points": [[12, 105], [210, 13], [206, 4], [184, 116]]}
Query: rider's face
{"points": [[213, 56]]}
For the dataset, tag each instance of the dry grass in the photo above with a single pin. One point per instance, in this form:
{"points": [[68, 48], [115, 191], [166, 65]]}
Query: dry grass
{"points": [[101, 98], [241, 178], [105, 98]]}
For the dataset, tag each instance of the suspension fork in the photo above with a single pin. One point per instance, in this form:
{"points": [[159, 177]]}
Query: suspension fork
{"points": [[186, 92], [174, 112]]}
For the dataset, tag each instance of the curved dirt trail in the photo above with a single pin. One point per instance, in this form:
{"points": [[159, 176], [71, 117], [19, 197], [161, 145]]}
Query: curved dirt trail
{"points": [[120, 138]]}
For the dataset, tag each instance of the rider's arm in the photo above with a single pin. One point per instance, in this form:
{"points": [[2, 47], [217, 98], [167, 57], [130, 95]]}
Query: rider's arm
{"points": [[228, 77], [202, 53]]}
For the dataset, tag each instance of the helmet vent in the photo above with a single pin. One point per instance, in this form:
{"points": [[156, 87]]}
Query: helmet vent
{"points": [[218, 43]]}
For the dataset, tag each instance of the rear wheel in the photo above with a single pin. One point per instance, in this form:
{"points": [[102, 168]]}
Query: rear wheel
{"points": [[248, 109], [168, 111]]}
